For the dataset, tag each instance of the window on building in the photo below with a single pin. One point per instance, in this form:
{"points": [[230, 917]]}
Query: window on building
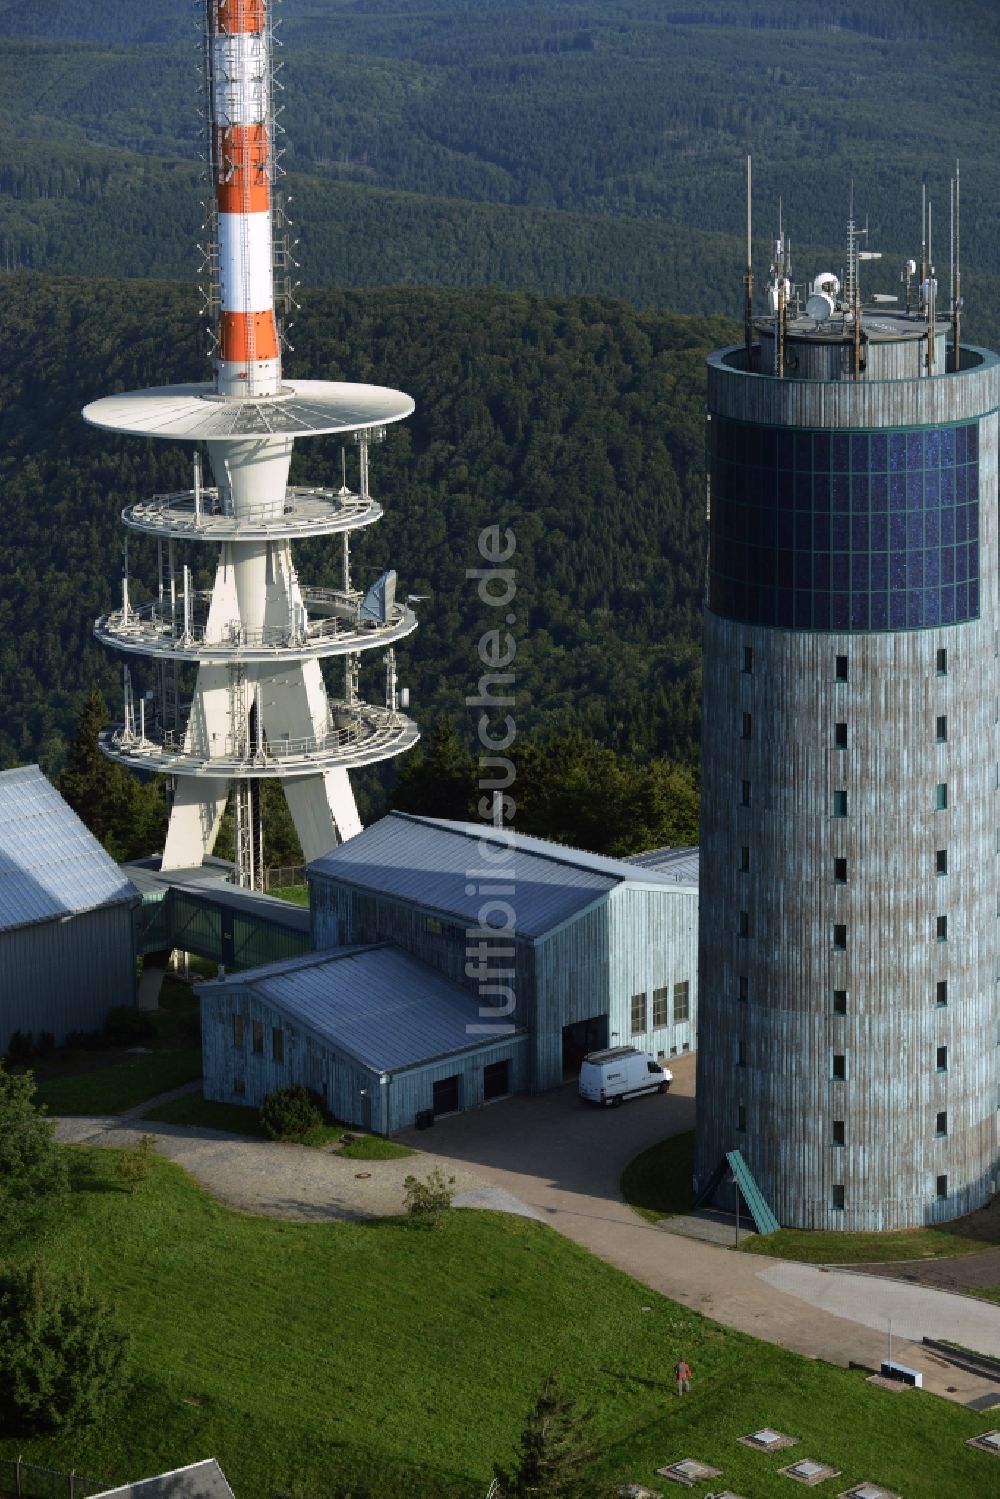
{"points": [[433, 925], [741, 1118], [840, 735], [942, 662], [747, 729], [837, 1199], [942, 1059], [744, 926], [840, 871], [840, 1001], [840, 669], [941, 729], [741, 1052], [840, 804], [941, 928], [743, 988], [277, 1045], [839, 1132], [661, 1008], [941, 1124], [238, 1031], [745, 859], [941, 861], [839, 1067], [682, 1001], [840, 936], [941, 796], [744, 793], [748, 658], [258, 1038], [942, 993], [638, 1014], [942, 1186]]}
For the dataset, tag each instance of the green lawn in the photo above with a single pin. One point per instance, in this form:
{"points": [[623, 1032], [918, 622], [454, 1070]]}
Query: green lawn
{"points": [[297, 894], [307, 1356], [121, 1084], [192, 1109], [657, 1184], [376, 1148]]}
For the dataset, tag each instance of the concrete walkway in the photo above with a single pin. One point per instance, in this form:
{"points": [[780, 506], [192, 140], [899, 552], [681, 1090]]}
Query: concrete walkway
{"points": [[561, 1162]]}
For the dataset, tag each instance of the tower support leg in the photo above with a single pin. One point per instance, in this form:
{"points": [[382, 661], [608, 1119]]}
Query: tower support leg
{"points": [[194, 821], [323, 810]]}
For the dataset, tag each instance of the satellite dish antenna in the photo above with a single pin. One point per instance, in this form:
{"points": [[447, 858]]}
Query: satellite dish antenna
{"points": [[819, 306]]}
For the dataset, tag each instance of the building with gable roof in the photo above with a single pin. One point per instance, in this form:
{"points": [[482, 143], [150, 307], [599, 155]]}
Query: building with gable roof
{"points": [[67, 916]]}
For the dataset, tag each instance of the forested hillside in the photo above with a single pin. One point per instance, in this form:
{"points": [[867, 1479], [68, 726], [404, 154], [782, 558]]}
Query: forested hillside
{"points": [[579, 424], [625, 114]]}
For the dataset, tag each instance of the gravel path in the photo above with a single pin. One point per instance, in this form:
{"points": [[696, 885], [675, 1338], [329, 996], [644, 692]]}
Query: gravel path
{"points": [[288, 1181]]}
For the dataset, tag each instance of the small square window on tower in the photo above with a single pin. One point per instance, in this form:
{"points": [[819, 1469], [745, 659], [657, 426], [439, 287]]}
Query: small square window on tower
{"points": [[942, 1059], [941, 1123], [840, 871], [748, 659], [840, 669], [839, 1132], [840, 735], [942, 662], [743, 989], [941, 928], [840, 804], [839, 1067], [941, 796], [942, 993], [837, 1199], [941, 729], [744, 793], [745, 859], [746, 731], [840, 936], [744, 926], [840, 1001], [941, 861], [741, 1118], [741, 1052], [942, 1187]]}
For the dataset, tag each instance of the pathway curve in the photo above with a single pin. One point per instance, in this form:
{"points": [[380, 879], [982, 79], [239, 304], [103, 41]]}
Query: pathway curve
{"points": [[561, 1162]]}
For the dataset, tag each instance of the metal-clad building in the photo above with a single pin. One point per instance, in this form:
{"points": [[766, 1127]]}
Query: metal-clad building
{"points": [[67, 916], [848, 951], [378, 1035], [581, 951]]}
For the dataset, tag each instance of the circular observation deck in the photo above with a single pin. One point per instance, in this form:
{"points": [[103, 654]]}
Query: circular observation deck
{"points": [[335, 627], [357, 734], [307, 512], [302, 408]]}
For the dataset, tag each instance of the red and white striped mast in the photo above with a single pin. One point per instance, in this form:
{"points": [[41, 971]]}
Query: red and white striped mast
{"points": [[260, 707], [241, 147]]}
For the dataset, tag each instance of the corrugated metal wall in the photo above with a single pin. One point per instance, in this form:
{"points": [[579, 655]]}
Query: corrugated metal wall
{"points": [[65, 975], [654, 940], [354, 1094]]}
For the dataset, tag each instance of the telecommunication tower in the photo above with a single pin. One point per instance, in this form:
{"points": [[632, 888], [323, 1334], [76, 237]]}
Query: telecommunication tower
{"points": [[259, 708]]}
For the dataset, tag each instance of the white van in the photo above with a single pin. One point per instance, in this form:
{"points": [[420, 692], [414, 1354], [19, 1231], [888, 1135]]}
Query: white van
{"points": [[621, 1072]]}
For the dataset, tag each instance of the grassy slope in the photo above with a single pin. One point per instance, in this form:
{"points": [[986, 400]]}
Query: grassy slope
{"points": [[122, 1085], [406, 1357]]}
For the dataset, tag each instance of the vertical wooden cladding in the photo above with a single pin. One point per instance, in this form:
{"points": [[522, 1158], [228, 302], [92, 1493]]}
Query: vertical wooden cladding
{"points": [[889, 827], [66, 974]]}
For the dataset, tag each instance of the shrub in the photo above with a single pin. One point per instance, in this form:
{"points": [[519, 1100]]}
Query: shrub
{"points": [[425, 1199], [32, 1165], [292, 1112], [126, 1025], [134, 1164], [46, 1044], [20, 1047], [63, 1361]]}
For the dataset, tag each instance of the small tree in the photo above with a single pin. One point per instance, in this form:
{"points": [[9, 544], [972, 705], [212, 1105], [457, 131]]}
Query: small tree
{"points": [[555, 1452], [425, 1199], [32, 1166], [63, 1361], [134, 1165], [291, 1112]]}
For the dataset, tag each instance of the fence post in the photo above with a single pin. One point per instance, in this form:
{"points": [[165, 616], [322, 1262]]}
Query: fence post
{"points": [[72, 1483], [17, 1476]]}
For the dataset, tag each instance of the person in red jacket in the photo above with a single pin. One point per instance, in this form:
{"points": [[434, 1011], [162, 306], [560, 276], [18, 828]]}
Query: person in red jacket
{"points": [[682, 1374]]}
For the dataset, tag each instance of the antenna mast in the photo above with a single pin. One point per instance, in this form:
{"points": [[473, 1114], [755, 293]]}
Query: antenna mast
{"points": [[748, 274], [931, 292], [956, 312]]}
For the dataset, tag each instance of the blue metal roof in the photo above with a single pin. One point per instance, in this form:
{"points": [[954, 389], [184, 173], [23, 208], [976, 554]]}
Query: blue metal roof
{"points": [[440, 866], [50, 864], [387, 1010], [677, 864]]}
